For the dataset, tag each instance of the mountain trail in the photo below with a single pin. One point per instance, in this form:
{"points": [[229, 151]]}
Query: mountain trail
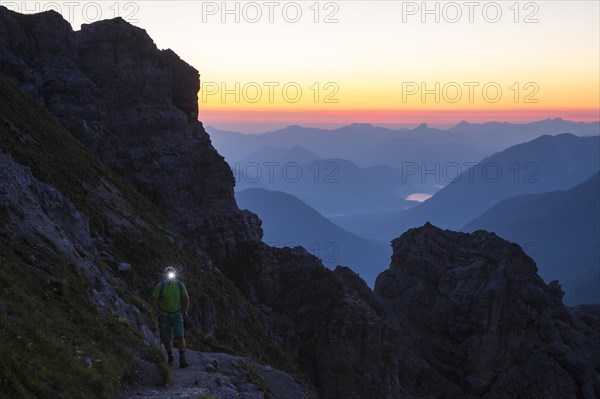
{"points": [[221, 376]]}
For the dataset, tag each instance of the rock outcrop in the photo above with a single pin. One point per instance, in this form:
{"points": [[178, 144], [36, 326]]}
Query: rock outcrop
{"points": [[336, 337], [456, 315], [136, 107], [473, 306]]}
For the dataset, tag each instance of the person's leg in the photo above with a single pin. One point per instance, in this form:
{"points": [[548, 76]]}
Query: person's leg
{"points": [[166, 335], [179, 334], [169, 348], [181, 344]]}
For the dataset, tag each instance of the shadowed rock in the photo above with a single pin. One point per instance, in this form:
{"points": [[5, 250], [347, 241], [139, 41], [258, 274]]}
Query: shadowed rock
{"points": [[136, 107], [474, 307]]}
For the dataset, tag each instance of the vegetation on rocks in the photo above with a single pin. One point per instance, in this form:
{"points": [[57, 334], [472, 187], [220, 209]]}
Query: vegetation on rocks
{"points": [[51, 328]]}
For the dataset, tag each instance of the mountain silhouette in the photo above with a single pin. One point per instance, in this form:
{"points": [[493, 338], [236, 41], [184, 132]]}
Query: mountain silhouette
{"points": [[500, 135], [547, 163], [559, 230], [350, 142], [282, 155], [358, 142], [322, 183], [287, 221]]}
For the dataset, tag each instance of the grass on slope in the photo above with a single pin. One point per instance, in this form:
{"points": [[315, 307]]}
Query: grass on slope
{"points": [[54, 344], [49, 323]]}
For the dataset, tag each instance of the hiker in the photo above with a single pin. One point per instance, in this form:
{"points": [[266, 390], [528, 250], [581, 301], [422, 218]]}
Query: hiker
{"points": [[171, 301]]}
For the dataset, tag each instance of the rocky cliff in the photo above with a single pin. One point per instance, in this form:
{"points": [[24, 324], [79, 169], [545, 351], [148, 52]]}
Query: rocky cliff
{"points": [[473, 306], [80, 252], [455, 316], [136, 108]]}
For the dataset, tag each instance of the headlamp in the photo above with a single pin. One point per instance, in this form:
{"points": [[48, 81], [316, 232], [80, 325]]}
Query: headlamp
{"points": [[170, 273]]}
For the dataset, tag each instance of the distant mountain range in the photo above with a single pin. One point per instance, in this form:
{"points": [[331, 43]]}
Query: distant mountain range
{"points": [[331, 186], [374, 169], [371, 202], [267, 154], [289, 222], [500, 135], [355, 142], [547, 163], [560, 230]]}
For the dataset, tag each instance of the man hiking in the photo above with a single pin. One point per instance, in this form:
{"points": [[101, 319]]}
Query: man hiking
{"points": [[171, 301]]}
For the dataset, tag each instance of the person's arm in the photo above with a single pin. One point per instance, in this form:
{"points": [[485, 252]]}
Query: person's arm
{"points": [[155, 305], [185, 300], [186, 305]]}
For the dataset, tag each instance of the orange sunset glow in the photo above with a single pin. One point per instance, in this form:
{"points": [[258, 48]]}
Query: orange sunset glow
{"points": [[394, 63]]}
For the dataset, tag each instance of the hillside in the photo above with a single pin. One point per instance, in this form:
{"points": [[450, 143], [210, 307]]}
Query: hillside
{"points": [[287, 221], [540, 222], [68, 226]]}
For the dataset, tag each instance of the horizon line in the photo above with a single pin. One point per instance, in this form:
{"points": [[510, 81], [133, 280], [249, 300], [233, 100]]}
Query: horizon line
{"points": [[258, 126]]}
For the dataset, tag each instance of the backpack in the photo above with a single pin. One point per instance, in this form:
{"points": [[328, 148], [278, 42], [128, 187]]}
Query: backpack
{"points": [[162, 288]]}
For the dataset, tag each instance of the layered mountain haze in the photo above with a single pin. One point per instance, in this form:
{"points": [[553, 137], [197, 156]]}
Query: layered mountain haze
{"points": [[289, 222], [539, 222], [280, 155], [545, 164], [356, 142], [497, 136], [321, 183], [107, 177]]}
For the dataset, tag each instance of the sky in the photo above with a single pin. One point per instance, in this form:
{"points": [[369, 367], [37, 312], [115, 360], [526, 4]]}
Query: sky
{"points": [[269, 64]]}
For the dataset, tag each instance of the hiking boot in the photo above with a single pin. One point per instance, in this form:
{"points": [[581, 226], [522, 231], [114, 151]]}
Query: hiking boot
{"points": [[182, 363], [170, 360]]}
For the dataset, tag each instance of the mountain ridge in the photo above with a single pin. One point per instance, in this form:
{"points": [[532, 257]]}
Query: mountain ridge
{"points": [[538, 221]]}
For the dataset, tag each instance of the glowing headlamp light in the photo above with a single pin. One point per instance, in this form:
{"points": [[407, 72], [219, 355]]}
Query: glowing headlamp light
{"points": [[170, 273]]}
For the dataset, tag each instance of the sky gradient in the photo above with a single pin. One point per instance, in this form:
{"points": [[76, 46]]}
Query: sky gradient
{"points": [[382, 62]]}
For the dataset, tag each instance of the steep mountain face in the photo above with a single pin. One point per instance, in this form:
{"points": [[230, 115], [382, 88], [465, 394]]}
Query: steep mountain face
{"points": [[80, 252], [136, 108], [456, 315], [336, 336], [475, 309], [538, 223]]}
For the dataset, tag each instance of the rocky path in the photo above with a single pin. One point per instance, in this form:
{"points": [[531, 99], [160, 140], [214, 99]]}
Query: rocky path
{"points": [[222, 376]]}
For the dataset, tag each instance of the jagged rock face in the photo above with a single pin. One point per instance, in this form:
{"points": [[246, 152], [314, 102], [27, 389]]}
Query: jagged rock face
{"points": [[474, 307], [336, 327], [136, 107], [34, 209], [339, 341], [44, 210]]}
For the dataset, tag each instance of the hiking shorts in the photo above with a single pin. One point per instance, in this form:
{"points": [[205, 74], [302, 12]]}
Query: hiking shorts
{"points": [[171, 326]]}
